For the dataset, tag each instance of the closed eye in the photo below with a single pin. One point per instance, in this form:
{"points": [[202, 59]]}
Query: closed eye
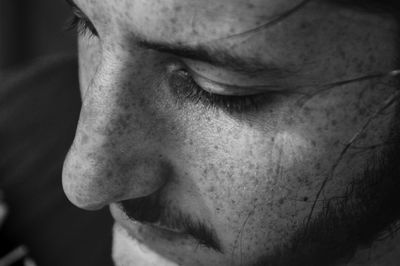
{"points": [[186, 88], [80, 22]]}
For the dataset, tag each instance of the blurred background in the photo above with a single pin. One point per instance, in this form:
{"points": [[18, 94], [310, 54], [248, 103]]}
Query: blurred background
{"points": [[39, 109], [33, 28]]}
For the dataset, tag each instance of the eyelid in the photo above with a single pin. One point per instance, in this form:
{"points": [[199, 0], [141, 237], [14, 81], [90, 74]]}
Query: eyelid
{"points": [[80, 21], [186, 89], [214, 86], [220, 88]]}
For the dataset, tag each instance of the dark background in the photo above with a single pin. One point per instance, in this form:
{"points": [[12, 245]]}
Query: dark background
{"points": [[33, 28], [39, 110]]}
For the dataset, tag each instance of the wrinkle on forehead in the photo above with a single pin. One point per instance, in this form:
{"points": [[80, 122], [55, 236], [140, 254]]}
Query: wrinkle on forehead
{"points": [[270, 23], [196, 20]]}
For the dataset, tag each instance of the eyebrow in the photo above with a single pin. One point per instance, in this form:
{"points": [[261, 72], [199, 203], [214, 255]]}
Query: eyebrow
{"points": [[218, 57]]}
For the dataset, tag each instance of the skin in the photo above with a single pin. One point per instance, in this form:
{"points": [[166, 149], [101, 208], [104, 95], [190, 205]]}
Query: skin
{"points": [[250, 177]]}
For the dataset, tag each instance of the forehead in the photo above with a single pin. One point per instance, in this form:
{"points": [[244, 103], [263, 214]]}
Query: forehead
{"points": [[197, 20], [306, 27]]}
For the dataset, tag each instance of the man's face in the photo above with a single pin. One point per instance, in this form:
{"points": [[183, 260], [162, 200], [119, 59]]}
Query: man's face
{"points": [[217, 131]]}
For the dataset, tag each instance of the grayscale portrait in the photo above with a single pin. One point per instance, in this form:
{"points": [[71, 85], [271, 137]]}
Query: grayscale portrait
{"points": [[238, 132]]}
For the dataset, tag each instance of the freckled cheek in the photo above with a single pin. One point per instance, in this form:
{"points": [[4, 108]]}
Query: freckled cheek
{"points": [[264, 187], [233, 181]]}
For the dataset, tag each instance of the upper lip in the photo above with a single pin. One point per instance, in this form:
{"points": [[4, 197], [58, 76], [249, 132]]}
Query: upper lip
{"points": [[158, 225], [147, 231], [152, 216], [167, 228]]}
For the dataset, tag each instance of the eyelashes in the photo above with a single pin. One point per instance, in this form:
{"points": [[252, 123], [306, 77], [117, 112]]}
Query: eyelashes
{"points": [[79, 22], [185, 88]]}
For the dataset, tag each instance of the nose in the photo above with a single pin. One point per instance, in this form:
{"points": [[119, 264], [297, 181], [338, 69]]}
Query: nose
{"points": [[116, 154]]}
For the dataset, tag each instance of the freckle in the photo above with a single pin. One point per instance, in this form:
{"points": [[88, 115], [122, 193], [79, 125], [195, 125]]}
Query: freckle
{"points": [[250, 5], [304, 25], [363, 135], [71, 177], [216, 147], [81, 200], [109, 174], [173, 20], [84, 139], [336, 143], [307, 110], [362, 111], [313, 143], [281, 200], [372, 59]]}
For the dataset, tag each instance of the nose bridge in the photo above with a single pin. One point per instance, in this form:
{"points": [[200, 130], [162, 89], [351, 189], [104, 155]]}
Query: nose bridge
{"points": [[113, 156], [111, 100]]}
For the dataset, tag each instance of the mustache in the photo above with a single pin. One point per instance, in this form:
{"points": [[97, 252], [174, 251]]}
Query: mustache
{"points": [[149, 210]]}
